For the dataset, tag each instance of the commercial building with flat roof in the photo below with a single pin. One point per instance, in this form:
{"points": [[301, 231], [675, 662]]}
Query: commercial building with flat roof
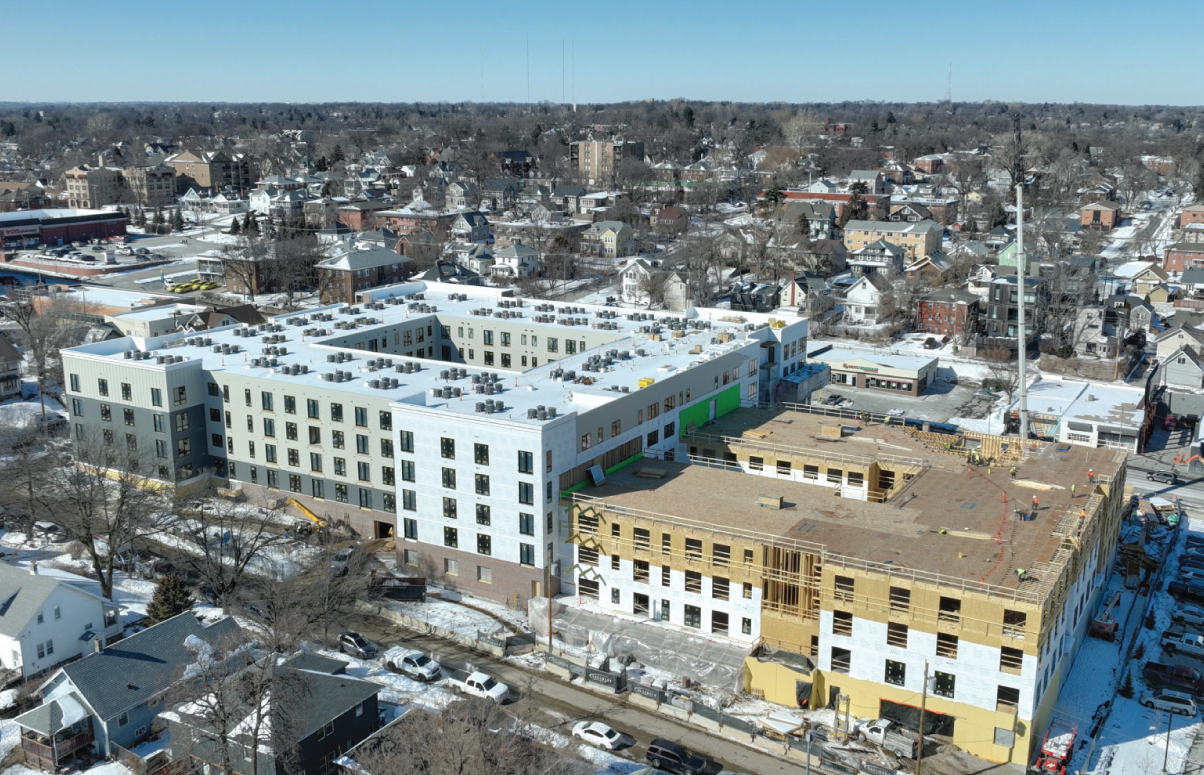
{"points": [[449, 416], [857, 556], [907, 374]]}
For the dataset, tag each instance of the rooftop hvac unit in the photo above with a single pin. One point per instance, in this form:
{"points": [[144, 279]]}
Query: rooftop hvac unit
{"points": [[328, 377], [338, 376], [375, 384], [129, 355], [480, 406], [455, 392], [331, 358], [551, 412], [532, 413]]}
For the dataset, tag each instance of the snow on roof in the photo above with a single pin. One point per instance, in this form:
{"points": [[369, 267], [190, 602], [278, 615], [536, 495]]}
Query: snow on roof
{"points": [[54, 212], [522, 390], [891, 361], [108, 297], [159, 313]]}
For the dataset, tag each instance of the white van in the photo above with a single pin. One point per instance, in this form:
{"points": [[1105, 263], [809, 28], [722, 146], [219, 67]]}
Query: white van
{"points": [[1165, 699]]}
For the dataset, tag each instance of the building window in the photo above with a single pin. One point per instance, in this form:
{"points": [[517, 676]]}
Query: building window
{"points": [[409, 500], [315, 434], [693, 617], [361, 417], [449, 478], [336, 412], [842, 623], [338, 440], [484, 544], [102, 386], [365, 498], [451, 567], [526, 493], [410, 526], [317, 488], [526, 555], [340, 493], [484, 575], [74, 383], [361, 444], [364, 471], [265, 401], [1007, 699], [896, 635], [841, 659], [944, 684], [694, 549], [639, 571], [447, 448], [407, 441], [896, 672], [694, 581], [526, 461], [844, 588], [1011, 660], [482, 484], [312, 409], [449, 508], [946, 645], [269, 427], [900, 599], [386, 420]]}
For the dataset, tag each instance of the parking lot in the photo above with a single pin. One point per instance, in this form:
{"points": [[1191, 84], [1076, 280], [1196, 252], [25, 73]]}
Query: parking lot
{"points": [[940, 402]]}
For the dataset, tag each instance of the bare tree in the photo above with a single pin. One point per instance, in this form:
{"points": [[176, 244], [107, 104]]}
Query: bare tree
{"points": [[236, 704], [653, 284], [46, 328], [1003, 374], [27, 472], [233, 540], [469, 737], [106, 501], [244, 262]]}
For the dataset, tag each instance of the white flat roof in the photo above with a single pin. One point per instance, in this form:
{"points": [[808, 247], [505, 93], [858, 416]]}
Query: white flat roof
{"points": [[161, 312], [54, 212], [108, 297], [889, 360], [1088, 401], [521, 390]]}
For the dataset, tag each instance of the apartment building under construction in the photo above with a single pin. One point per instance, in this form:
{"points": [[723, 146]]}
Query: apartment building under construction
{"points": [[856, 557]]}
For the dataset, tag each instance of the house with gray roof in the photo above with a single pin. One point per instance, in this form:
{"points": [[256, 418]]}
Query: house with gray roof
{"points": [[120, 689], [50, 617], [314, 713]]}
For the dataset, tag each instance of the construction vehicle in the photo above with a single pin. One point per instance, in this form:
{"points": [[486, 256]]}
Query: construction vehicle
{"points": [[312, 517], [1057, 747], [1104, 625]]}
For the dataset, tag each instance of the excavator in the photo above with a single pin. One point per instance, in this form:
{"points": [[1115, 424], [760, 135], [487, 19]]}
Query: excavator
{"points": [[306, 529]]}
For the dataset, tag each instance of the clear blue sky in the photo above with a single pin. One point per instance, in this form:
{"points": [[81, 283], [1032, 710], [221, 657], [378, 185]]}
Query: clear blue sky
{"points": [[789, 50]]}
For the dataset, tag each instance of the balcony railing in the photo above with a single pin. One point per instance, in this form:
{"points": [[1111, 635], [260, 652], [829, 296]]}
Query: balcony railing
{"points": [[49, 755]]}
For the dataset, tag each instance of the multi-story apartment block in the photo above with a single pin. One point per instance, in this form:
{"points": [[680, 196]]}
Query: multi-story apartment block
{"points": [[212, 170], [90, 188], [451, 416], [151, 186], [600, 160], [918, 239], [863, 571]]}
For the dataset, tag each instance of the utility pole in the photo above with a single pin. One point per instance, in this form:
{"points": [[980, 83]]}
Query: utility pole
{"points": [[1021, 338], [923, 706], [1167, 752]]}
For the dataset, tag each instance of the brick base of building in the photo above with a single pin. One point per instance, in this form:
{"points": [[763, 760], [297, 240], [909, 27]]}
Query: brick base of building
{"points": [[510, 583], [365, 524]]}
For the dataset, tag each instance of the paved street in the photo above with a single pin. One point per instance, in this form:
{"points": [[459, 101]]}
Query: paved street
{"points": [[564, 704]]}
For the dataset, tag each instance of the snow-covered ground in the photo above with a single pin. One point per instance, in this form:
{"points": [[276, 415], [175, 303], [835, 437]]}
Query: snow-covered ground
{"points": [[1133, 739]]}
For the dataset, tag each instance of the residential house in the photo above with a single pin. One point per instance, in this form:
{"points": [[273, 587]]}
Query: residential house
{"points": [[820, 215], [908, 212], [220, 317], [318, 212], [354, 267], [949, 312], [91, 188], [880, 258], [930, 164], [933, 270], [1179, 336], [280, 183], [361, 215], [518, 163], [1100, 216], [863, 300], [49, 617], [476, 256], [809, 293], [568, 197], [461, 194], [1193, 213], [381, 238], [1135, 277], [647, 282], [470, 227], [152, 185], [315, 712], [498, 194], [1133, 314], [450, 272], [1192, 232], [1183, 255], [668, 219], [113, 695], [1183, 369], [612, 239], [1098, 332], [998, 320], [16, 196], [335, 232], [10, 369], [917, 239], [825, 257], [873, 180], [515, 260], [978, 282]]}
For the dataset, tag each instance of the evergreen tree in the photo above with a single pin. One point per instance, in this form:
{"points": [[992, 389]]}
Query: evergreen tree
{"points": [[321, 165], [170, 599], [159, 217], [177, 220], [252, 225], [234, 227], [338, 154], [141, 221]]}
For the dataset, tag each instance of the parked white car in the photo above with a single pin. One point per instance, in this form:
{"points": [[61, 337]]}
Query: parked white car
{"points": [[1189, 614], [602, 736], [1174, 702], [412, 663]]}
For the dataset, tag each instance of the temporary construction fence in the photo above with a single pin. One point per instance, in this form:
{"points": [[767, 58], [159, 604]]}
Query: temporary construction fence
{"points": [[679, 654]]}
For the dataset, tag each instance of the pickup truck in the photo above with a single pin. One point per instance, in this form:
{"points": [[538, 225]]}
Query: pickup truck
{"points": [[1180, 677], [477, 684], [1176, 642], [888, 734], [1189, 592]]}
